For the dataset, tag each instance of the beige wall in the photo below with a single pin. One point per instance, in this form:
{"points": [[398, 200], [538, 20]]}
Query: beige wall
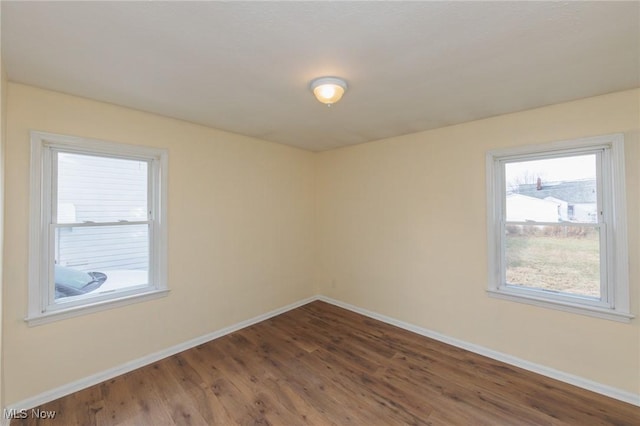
{"points": [[395, 226], [240, 239], [401, 227]]}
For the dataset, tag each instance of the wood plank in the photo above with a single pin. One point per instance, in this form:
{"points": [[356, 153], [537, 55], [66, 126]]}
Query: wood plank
{"points": [[323, 365]]}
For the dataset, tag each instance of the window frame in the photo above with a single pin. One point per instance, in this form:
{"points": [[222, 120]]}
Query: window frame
{"points": [[614, 303], [41, 305]]}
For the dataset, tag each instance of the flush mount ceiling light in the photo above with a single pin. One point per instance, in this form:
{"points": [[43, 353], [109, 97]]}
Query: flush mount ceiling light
{"points": [[328, 90]]}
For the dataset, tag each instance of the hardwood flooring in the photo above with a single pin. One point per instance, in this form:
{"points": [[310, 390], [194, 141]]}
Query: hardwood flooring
{"points": [[320, 365]]}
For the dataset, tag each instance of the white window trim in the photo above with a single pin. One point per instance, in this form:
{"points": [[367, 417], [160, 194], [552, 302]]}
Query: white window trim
{"points": [[617, 245], [39, 311]]}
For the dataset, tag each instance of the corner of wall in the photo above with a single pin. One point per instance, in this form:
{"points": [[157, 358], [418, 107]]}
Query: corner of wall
{"points": [[3, 127], [316, 232]]}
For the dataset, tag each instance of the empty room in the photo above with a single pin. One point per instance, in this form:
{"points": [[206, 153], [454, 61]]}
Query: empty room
{"points": [[319, 213]]}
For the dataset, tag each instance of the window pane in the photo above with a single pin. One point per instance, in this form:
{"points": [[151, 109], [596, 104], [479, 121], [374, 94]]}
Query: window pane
{"points": [[91, 260], [101, 189], [552, 190], [559, 258]]}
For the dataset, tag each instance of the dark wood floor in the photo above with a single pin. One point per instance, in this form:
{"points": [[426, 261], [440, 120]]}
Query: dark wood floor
{"points": [[320, 364]]}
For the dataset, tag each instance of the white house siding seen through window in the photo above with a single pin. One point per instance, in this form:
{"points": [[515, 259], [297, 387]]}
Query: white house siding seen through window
{"points": [[102, 189]]}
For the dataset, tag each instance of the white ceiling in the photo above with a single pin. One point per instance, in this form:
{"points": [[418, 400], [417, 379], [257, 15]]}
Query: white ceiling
{"points": [[245, 66]]}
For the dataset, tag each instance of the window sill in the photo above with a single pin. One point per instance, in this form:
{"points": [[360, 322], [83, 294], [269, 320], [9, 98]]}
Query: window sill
{"points": [[57, 315], [575, 308]]}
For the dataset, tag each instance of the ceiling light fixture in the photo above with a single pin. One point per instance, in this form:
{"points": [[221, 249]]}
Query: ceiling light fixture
{"points": [[328, 90]]}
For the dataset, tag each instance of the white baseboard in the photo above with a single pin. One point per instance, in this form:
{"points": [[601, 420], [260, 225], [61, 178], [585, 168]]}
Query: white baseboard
{"points": [[78, 385], [571, 379], [149, 359]]}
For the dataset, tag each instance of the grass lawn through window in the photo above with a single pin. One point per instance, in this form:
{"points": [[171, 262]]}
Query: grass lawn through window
{"points": [[559, 263]]}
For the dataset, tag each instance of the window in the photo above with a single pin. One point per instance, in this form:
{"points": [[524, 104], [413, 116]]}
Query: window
{"points": [[98, 225], [557, 226]]}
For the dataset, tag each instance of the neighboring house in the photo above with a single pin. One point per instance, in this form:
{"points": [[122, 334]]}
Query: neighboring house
{"points": [[577, 200], [91, 193], [521, 208]]}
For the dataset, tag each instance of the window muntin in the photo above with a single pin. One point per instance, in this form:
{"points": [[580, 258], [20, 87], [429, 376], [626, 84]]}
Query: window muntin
{"points": [[557, 229], [98, 228]]}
